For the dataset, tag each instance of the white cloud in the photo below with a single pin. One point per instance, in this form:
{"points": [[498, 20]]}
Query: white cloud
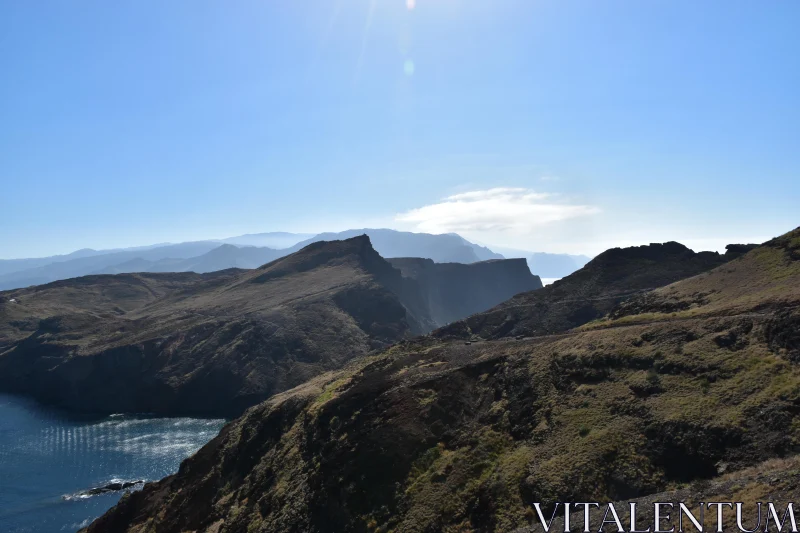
{"points": [[498, 210]]}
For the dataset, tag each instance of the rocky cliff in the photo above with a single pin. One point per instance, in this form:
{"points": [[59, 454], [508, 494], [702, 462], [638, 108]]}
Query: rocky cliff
{"points": [[454, 290]]}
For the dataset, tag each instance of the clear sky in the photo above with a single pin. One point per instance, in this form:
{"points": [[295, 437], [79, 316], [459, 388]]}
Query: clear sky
{"points": [[562, 126]]}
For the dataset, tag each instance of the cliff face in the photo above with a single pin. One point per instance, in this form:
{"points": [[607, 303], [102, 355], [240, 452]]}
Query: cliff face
{"points": [[454, 290], [591, 292], [210, 344], [442, 436]]}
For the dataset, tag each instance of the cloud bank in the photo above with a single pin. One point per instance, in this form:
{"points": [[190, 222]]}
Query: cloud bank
{"points": [[498, 210]]}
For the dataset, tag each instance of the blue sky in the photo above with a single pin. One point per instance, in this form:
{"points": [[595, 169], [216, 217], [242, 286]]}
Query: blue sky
{"points": [[563, 126]]}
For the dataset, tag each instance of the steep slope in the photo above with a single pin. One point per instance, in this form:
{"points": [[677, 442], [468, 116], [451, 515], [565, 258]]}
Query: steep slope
{"points": [[590, 292], [447, 248], [435, 436], [455, 290], [775, 481]]}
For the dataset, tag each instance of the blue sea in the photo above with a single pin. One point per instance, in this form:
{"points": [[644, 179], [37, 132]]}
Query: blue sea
{"points": [[49, 457]]}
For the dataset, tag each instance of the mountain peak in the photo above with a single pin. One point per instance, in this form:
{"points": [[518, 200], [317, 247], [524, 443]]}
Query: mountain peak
{"points": [[444, 248], [652, 251], [355, 250]]}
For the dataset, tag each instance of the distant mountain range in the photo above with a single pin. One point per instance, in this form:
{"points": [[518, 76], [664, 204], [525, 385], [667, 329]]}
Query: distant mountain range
{"points": [[548, 265], [219, 258], [253, 250], [447, 248], [274, 239]]}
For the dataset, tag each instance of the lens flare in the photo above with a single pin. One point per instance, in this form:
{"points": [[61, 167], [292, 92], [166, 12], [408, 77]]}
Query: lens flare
{"points": [[408, 67], [411, 4]]}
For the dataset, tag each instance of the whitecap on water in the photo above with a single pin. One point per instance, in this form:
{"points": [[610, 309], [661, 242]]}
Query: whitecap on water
{"points": [[45, 454]]}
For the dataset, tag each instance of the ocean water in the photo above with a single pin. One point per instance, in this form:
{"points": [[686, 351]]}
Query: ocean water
{"points": [[48, 457]]}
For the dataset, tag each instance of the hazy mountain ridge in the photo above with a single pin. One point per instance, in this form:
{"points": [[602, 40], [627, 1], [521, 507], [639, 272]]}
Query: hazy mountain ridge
{"points": [[210, 255], [441, 436], [220, 258], [278, 240], [86, 264], [210, 344], [446, 248], [548, 265]]}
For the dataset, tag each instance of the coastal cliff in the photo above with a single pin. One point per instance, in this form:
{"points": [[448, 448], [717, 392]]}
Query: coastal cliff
{"points": [[456, 290]]}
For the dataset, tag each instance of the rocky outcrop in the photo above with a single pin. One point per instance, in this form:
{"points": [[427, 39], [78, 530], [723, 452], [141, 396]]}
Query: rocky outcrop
{"points": [[112, 486]]}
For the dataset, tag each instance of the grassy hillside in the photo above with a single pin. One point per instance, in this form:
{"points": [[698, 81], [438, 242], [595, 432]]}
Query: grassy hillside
{"points": [[437, 435]]}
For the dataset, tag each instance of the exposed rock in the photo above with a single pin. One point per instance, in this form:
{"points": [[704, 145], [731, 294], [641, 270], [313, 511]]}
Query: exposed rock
{"points": [[735, 250], [114, 486], [454, 290]]}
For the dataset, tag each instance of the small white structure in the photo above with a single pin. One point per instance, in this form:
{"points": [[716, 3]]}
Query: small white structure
{"points": [[13, 300]]}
